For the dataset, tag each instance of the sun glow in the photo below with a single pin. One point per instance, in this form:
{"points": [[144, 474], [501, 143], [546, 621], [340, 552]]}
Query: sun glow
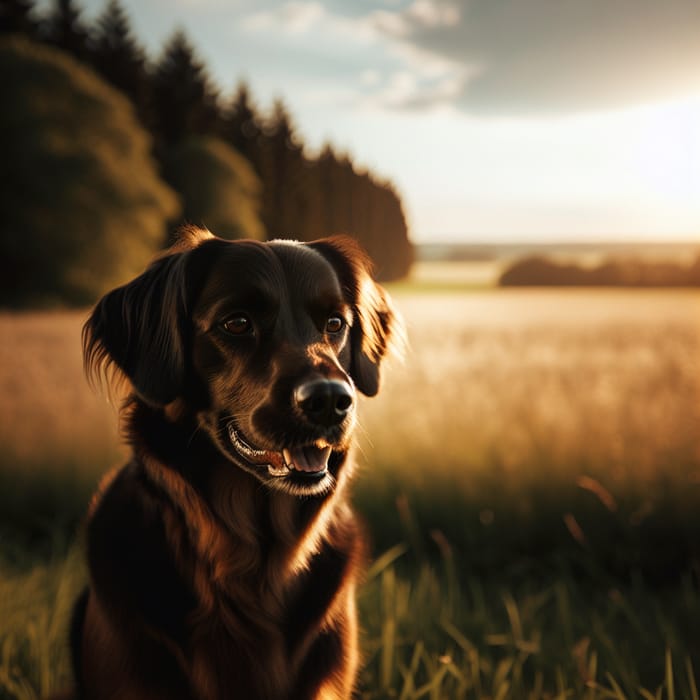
{"points": [[670, 156], [632, 174]]}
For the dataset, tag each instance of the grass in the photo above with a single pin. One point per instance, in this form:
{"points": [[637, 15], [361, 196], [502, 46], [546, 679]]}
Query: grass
{"points": [[433, 634], [444, 636], [534, 507], [35, 607]]}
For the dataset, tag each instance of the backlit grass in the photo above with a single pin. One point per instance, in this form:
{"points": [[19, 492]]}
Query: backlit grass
{"points": [[431, 633]]}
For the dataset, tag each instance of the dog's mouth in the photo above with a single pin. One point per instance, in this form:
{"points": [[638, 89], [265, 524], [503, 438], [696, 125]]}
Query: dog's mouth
{"points": [[309, 461]]}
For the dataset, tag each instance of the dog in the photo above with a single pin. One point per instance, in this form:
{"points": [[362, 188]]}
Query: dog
{"points": [[224, 557]]}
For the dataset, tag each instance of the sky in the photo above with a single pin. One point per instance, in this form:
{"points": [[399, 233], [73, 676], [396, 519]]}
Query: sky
{"points": [[497, 120]]}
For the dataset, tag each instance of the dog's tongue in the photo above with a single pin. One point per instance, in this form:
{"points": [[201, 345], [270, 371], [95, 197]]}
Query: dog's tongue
{"points": [[308, 458]]}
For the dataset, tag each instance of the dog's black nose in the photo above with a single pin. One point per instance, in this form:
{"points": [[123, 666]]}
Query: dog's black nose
{"points": [[324, 401]]}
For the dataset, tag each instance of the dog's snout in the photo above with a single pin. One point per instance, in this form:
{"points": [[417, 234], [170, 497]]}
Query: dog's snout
{"points": [[324, 401]]}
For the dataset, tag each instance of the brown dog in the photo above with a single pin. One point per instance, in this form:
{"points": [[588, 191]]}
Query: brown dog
{"points": [[224, 557]]}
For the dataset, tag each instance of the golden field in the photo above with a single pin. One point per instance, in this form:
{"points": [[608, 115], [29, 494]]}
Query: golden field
{"points": [[605, 377]]}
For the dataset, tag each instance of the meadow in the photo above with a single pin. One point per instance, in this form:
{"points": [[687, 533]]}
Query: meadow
{"points": [[529, 476]]}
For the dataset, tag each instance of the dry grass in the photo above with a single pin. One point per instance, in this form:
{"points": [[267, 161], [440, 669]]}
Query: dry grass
{"points": [[608, 379], [48, 415]]}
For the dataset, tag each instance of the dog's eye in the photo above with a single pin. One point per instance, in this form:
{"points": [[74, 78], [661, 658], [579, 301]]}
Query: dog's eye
{"points": [[335, 324], [240, 324]]}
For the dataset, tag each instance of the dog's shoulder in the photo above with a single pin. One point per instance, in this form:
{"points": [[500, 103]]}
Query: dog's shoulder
{"points": [[132, 563], [124, 512]]}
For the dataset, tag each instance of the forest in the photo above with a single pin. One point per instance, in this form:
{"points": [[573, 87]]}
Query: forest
{"points": [[110, 150]]}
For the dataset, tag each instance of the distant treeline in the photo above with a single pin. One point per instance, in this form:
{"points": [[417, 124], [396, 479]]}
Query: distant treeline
{"points": [[541, 271], [240, 171]]}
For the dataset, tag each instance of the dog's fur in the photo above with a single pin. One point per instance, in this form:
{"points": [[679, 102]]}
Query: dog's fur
{"points": [[216, 571]]}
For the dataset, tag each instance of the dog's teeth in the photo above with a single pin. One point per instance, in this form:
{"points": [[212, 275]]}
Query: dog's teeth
{"points": [[287, 455], [278, 471]]}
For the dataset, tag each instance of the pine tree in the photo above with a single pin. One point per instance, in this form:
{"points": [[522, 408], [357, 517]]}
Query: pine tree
{"points": [[241, 126], [184, 97], [351, 201], [387, 241], [64, 28], [16, 17], [283, 175], [120, 59]]}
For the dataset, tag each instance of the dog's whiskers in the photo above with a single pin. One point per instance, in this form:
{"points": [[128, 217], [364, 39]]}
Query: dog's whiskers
{"points": [[193, 434]]}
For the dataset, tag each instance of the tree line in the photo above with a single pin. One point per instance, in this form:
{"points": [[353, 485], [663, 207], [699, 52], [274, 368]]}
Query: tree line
{"points": [[630, 272], [233, 167]]}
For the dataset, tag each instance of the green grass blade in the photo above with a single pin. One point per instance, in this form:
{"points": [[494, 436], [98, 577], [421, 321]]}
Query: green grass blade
{"points": [[385, 560], [409, 679], [691, 679], [670, 689], [616, 690]]}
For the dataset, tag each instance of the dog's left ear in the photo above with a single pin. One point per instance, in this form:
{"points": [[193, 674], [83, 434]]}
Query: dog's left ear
{"points": [[138, 328], [376, 326], [142, 328]]}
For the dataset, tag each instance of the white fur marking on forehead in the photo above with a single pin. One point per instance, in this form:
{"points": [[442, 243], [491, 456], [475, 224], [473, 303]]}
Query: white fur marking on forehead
{"points": [[285, 241]]}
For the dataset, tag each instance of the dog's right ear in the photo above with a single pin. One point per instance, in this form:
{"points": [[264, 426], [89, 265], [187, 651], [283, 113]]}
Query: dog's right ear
{"points": [[140, 329], [376, 325]]}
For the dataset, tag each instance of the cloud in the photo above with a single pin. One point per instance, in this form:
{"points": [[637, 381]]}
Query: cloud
{"points": [[508, 57], [200, 5], [533, 56], [293, 17], [363, 50], [420, 14]]}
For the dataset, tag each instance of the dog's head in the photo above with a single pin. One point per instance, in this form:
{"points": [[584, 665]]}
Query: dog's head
{"points": [[265, 343]]}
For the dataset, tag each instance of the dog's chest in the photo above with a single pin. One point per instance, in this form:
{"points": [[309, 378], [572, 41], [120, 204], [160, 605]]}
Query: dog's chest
{"points": [[262, 650]]}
